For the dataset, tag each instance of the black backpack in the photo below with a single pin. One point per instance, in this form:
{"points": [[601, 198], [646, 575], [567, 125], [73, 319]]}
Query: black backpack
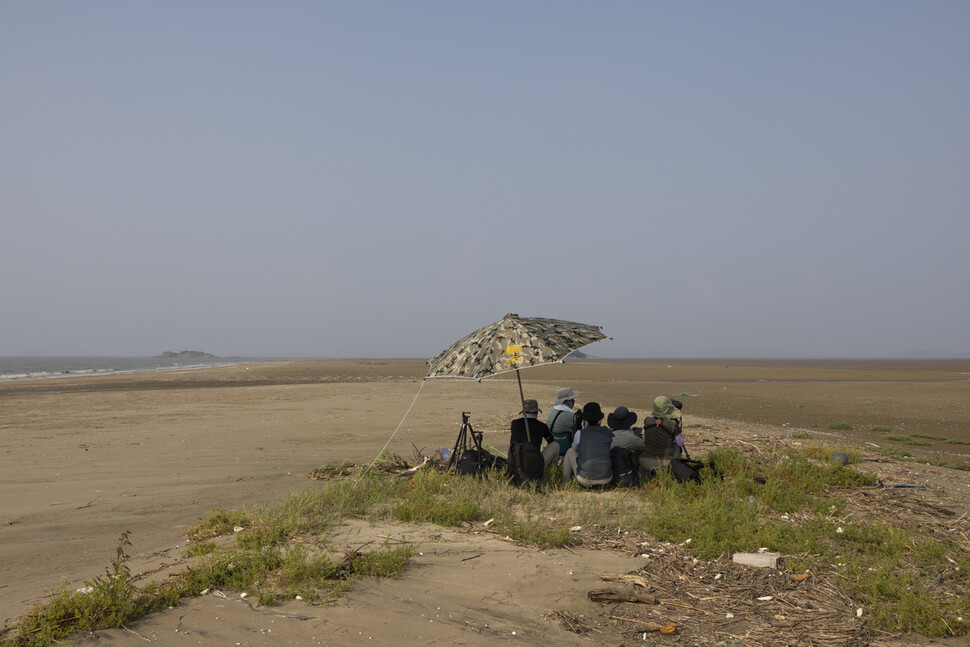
{"points": [[686, 470], [625, 473], [474, 462]]}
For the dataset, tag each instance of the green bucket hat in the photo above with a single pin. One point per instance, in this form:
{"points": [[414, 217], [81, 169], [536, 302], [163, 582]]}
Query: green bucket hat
{"points": [[664, 408]]}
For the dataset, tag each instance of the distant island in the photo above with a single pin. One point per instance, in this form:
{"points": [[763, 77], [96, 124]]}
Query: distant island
{"points": [[186, 354]]}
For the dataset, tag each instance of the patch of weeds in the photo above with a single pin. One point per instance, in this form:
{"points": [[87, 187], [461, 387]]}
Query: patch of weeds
{"points": [[801, 435], [436, 497], [928, 436], [824, 453], [917, 441], [332, 471], [880, 428], [892, 571], [892, 452], [218, 523], [105, 602], [198, 549], [896, 437], [840, 425], [385, 563], [956, 441], [535, 529]]}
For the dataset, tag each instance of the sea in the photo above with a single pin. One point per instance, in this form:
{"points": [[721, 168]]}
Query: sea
{"points": [[39, 368]]}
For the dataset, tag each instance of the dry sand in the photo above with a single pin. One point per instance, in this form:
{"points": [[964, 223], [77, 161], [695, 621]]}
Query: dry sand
{"points": [[85, 459]]}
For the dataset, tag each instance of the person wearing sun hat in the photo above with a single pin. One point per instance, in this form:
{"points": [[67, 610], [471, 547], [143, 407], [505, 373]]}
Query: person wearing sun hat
{"points": [[625, 435], [536, 431], [561, 419], [588, 460], [660, 442]]}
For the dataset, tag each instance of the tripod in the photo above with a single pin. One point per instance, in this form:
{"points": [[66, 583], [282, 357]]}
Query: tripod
{"points": [[462, 443]]}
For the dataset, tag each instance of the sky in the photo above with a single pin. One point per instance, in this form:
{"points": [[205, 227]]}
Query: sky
{"points": [[377, 179]]}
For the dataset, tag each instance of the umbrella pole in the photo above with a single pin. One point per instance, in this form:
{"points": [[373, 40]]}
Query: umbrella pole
{"points": [[525, 419]]}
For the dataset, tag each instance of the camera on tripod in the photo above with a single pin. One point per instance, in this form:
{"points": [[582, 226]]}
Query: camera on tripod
{"points": [[467, 456]]}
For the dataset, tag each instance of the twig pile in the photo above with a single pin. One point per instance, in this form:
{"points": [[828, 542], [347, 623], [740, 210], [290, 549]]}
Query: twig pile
{"points": [[720, 602]]}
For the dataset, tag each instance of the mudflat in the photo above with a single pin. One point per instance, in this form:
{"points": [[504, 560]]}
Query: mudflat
{"points": [[83, 460]]}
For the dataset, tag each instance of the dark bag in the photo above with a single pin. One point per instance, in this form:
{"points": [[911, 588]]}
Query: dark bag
{"points": [[474, 462], [625, 473], [685, 470], [525, 463]]}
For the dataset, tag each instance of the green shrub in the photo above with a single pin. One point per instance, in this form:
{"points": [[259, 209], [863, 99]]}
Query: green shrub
{"points": [[840, 425]]}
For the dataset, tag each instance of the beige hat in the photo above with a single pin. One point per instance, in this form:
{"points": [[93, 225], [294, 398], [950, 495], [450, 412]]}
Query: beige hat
{"points": [[664, 408], [564, 394]]}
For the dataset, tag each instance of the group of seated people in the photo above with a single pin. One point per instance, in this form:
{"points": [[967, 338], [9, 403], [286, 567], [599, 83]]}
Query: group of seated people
{"points": [[583, 443]]}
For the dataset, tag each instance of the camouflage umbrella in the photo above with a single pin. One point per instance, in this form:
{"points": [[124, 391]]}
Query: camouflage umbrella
{"points": [[510, 344]]}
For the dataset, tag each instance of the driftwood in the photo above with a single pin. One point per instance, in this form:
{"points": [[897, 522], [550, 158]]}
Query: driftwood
{"points": [[638, 580], [412, 471], [619, 595]]}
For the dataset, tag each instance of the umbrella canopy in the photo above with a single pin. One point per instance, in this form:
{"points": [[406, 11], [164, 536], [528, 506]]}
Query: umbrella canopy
{"points": [[512, 343]]}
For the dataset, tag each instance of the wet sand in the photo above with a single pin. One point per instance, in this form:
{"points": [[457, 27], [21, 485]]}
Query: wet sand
{"points": [[83, 460]]}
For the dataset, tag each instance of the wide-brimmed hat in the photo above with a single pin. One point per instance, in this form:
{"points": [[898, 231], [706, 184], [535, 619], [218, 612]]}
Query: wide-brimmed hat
{"points": [[592, 412], [564, 394], [621, 418], [530, 406], [664, 408]]}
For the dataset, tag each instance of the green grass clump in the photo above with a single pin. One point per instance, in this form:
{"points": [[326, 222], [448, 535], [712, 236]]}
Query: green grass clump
{"points": [[840, 425], [928, 436], [880, 428], [957, 441], [917, 441], [430, 501], [896, 437], [801, 435], [111, 600], [824, 453], [892, 452], [219, 522]]}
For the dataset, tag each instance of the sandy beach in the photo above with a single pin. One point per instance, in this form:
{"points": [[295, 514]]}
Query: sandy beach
{"points": [[84, 460]]}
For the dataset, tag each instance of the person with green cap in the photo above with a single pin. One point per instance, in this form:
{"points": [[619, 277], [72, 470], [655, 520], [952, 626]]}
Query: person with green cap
{"points": [[660, 443]]}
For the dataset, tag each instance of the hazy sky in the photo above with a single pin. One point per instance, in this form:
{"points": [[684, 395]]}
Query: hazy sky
{"points": [[703, 179]]}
